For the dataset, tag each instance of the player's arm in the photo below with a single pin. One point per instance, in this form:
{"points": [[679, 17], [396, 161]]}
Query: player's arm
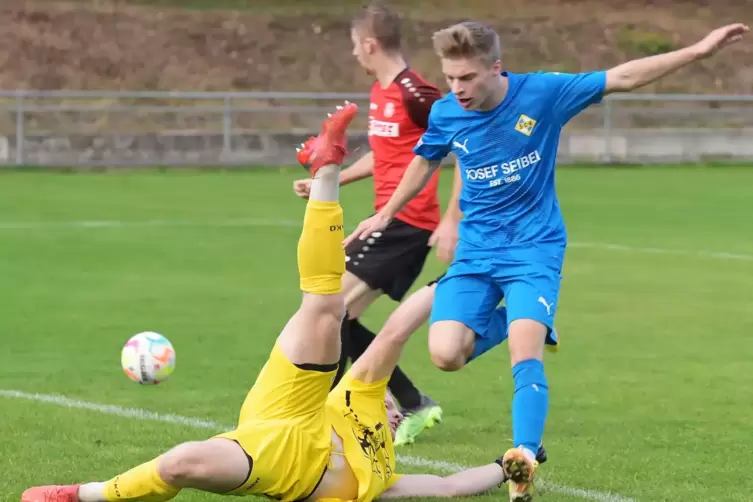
{"points": [[473, 481], [415, 178], [360, 169], [640, 72]]}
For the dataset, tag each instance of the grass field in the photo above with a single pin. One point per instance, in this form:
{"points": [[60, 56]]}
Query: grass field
{"points": [[651, 394]]}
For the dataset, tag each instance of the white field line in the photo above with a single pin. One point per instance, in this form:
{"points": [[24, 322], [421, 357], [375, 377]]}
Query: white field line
{"points": [[197, 423], [269, 222]]}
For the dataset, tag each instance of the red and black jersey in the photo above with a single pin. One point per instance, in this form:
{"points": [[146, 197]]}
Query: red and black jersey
{"points": [[398, 117]]}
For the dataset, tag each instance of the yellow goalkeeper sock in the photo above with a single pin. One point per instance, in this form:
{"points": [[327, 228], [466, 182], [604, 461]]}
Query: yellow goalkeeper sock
{"points": [[321, 257], [142, 483]]}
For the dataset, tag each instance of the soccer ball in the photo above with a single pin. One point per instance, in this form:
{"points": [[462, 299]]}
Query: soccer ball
{"points": [[148, 358]]}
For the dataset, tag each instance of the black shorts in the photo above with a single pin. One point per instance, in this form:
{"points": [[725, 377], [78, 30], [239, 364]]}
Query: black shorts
{"points": [[390, 260]]}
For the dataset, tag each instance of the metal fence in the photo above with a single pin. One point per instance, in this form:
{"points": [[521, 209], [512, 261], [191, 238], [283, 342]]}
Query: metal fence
{"points": [[114, 128]]}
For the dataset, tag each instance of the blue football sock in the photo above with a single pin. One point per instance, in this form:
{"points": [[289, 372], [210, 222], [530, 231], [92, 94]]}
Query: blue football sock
{"points": [[496, 334], [529, 404]]}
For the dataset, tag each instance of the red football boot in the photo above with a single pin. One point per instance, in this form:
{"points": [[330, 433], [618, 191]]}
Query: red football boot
{"points": [[330, 147], [51, 494]]}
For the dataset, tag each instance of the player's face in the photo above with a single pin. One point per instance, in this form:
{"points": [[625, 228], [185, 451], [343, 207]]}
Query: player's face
{"points": [[363, 49], [472, 80], [394, 417]]}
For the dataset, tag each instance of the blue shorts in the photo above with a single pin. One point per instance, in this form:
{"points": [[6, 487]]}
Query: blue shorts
{"points": [[471, 290]]}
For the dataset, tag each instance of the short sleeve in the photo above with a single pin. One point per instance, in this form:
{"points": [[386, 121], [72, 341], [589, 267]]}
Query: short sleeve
{"points": [[576, 91], [433, 145]]}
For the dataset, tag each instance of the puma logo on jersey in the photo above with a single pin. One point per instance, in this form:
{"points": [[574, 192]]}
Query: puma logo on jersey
{"points": [[461, 146]]}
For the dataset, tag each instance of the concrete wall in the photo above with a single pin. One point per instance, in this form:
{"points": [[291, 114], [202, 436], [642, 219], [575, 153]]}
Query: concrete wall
{"points": [[274, 149]]}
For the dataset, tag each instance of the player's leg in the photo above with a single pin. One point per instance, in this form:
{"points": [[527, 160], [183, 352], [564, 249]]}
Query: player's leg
{"points": [[464, 302], [498, 332], [214, 465], [296, 379], [531, 305]]}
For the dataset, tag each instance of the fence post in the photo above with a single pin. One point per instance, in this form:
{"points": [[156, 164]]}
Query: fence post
{"points": [[607, 131], [227, 125], [20, 116]]}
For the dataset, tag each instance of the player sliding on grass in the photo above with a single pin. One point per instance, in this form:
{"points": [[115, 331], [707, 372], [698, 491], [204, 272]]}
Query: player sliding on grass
{"points": [[295, 439], [504, 128]]}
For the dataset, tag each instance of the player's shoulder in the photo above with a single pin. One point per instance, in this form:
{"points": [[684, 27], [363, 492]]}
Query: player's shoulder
{"points": [[536, 86], [446, 105], [536, 78], [409, 77], [444, 110], [544, 77], [414, 87]]}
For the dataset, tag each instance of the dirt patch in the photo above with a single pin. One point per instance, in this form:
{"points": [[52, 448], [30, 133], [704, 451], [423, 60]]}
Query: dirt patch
{"points": [[122, 46]]}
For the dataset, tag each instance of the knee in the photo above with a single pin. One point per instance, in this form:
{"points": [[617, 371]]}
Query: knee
{"points": [[446, 360], [449, 353], [183, 464]]}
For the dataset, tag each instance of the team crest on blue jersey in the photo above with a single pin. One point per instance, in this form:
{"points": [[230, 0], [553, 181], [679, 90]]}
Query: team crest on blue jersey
{"points": [[525, 125]]}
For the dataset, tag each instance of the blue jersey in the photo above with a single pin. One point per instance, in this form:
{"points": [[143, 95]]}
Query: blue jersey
{"points": [[507, 157]]}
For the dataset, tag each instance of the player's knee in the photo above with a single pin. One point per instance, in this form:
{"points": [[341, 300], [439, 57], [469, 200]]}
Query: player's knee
{"points": [[446, 354], [184, 464], [449, 346], [447, 360]]}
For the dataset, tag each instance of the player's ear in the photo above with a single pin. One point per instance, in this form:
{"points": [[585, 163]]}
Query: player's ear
{"points": [[369, 45], [497, 68]]}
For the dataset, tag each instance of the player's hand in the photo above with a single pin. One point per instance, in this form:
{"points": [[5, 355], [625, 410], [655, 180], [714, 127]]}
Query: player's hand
{"points": [[302, 188], [376, 223], [445, 239], [720, 38]]}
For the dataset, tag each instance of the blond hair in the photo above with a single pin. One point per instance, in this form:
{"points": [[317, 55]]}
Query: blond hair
{"points": [[380, 22], [467, 40]]}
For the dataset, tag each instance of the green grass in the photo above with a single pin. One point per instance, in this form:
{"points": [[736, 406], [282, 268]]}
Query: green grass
{"points": [[651, 395]]}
